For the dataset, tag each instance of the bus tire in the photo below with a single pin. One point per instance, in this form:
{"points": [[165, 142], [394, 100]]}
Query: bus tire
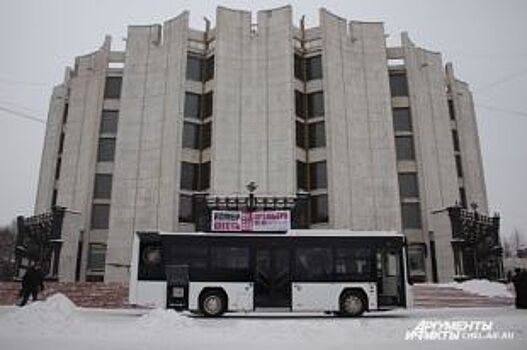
{"points": [[352, 303], [213, 303]]}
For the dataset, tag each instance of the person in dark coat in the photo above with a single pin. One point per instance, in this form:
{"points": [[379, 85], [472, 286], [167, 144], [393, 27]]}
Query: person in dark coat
{"points": [[32, 283], [520, 287]]}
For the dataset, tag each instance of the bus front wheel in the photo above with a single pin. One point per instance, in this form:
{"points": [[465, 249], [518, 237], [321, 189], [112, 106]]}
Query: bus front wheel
{"points": [[213, 303], [352, 304]]}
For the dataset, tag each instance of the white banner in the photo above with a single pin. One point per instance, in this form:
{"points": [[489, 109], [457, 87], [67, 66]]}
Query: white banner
{"points": [[259, 221]]}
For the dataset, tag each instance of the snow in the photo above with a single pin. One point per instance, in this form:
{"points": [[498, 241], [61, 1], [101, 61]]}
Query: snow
{"points": [[482, 287], [58, 324]]}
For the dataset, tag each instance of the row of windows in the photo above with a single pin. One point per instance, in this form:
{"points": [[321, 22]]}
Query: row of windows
{"points": [[196, 108], [309, 68], [316, 135], [200, 68], [195, 177], [309, 105], [197, 136]]}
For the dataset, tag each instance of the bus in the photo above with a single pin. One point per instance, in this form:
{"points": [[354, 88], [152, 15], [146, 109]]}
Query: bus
{"points": [[333, 271]]}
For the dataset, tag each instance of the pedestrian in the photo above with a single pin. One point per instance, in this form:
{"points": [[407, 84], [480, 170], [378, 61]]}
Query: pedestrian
{"points": [[520, 287], [32, 283]]}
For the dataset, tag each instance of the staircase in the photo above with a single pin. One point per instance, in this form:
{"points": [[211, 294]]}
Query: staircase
{"points": [[430, 296]]}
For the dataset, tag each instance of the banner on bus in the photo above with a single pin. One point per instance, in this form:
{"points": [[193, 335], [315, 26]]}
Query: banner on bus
{"points": [[258, 221]]}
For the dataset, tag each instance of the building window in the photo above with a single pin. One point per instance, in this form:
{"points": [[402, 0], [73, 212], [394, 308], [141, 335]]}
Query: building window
{"points": [[300, 72], [191, 133], [192, 105], [411, 215], [317, 135], [315, 104], [65, 113], [96, 256], [207, 105], [103, 186], [402, 120], [451, 110], [209, 68], [398, 85], [459, 166], [206, 136], [189, 176], [106, 150], [185, 208], [109, 122], [318, 175], [194, 68], [408, 185], [314, 67], [455, 139], [204, 175], [416, 258], [100, 216], [300, 135], [112, 89], [319, 209], [57, 168], [54, 198], [300, 105], [463, 197], [301, 179], [404, 147]]}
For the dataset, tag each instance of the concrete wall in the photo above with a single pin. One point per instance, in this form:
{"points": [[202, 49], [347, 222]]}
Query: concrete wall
{"points": [[362, 175]]}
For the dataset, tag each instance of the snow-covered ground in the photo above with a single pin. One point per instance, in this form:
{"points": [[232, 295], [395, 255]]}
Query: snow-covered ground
{"points": [[480, 287], [58, 324]]}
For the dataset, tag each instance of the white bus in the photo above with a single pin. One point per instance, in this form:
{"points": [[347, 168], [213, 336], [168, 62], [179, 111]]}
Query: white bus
{"points": [[338, 271]]}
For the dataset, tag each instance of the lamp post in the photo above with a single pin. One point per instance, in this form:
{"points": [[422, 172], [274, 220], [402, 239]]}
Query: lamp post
{"points": [[251, 187]]}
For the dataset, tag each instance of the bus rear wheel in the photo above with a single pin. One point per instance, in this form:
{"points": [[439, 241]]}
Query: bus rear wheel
{"points": [[213, 303], [352, 304]]}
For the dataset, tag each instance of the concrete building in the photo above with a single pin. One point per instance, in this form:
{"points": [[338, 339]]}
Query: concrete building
{"points": [[381, 137]]}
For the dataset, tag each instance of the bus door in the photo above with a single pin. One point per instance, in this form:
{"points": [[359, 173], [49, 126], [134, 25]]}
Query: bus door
{"points": [[272, 277], [389, 276]]}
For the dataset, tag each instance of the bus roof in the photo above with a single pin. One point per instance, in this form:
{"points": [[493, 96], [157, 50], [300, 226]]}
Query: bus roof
{"points": [[290, 233]]}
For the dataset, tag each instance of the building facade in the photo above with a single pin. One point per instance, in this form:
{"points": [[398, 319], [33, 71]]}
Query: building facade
{"points": [[380, 137]]}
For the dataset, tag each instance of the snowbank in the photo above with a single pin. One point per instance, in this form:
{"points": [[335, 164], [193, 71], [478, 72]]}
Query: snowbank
{"points": [[483, 287]]}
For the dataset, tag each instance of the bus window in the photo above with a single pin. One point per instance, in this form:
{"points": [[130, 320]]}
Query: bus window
{"points": [[151, 266], [352, 263], [233, 261], [193, 256], [313, 264]]}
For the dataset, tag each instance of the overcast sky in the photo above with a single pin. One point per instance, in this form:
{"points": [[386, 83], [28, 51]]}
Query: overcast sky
{"points": [[486, 41]]}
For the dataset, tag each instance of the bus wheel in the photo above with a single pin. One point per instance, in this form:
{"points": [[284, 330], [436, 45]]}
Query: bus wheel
{"points": [[352, 303], [213, 303]]}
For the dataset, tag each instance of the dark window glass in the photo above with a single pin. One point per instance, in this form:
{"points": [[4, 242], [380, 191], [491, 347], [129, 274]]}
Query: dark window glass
{"points": [[209, 68], [416, 258], [313, 264], [408, 185], [318, 175], [411, 213], [106, 150], [196, 257], [54, 198], [451, 110], [317, 135], [235, 259], [65, 113], [204, 177], [191, 135], [402, 120], [96, 256], [463, 197], [314, 67], [192, 105], [100, 216], [315, 104], [103, 186], [189, 176], [398, 85], [352, 263], [300, 72], [300, 105], [57, 168], [459, 166], [206, 141], [61, 143], [207, 104], [194, 68], [151, 267], [112, 89], [300, 135], [185, 208], [319, 209], [404, 147], [455, 138], [109, 122], [301, 179]]}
